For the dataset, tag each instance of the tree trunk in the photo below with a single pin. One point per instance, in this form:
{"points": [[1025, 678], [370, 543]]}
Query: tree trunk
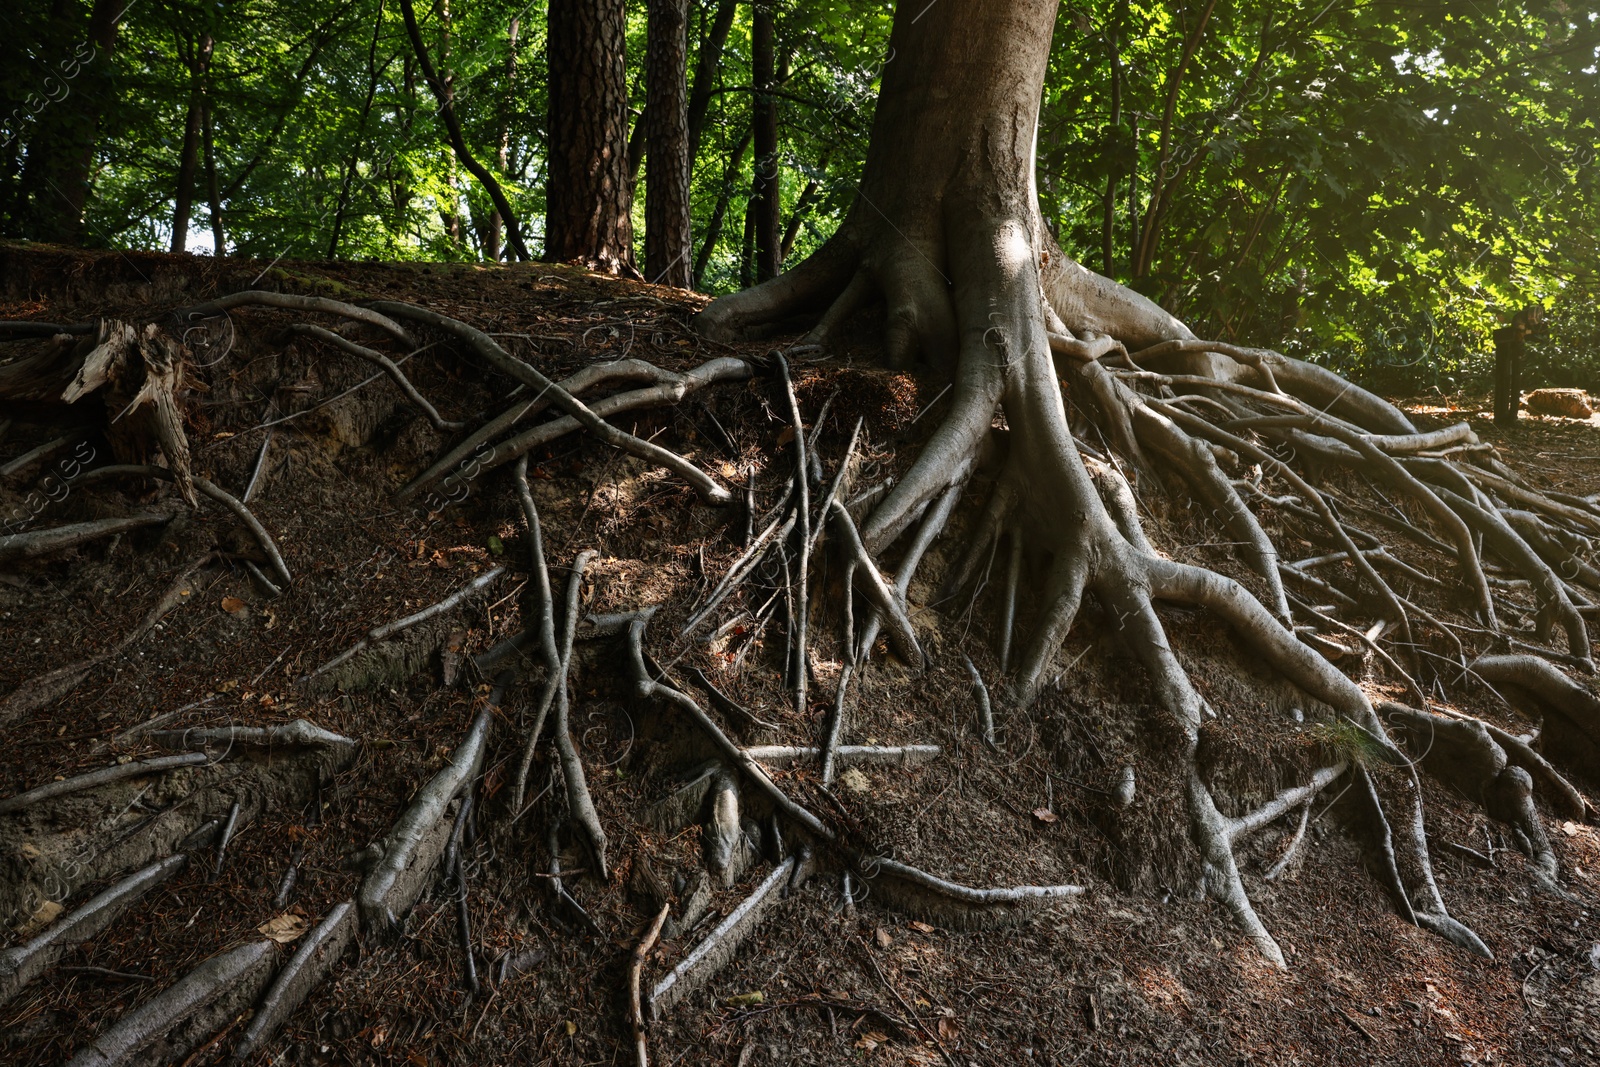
{"points": [[719, 213], [1108, 225], [443, 93], [502, 156], [707, 70], [219, 236], [60, 157], [667, 235], [588, 199], [361, 133], [946, 228], [188, 156], [766, 200]]}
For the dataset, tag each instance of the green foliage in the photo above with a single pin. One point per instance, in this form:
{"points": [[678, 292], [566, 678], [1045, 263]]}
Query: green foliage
{"points": [[1374, 186]]}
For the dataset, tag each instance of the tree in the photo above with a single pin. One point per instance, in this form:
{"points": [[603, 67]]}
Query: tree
{"points": [[667, 251], [766, 197], [946, 227], [589, 195], [56, 174]]}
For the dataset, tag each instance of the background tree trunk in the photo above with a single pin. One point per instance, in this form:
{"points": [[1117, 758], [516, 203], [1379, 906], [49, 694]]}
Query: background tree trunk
{"points": [[56, 173], [492, 240], [719, 213], [666, 207], [766, 201], [589, 196], [707, 69], [189, 155]]}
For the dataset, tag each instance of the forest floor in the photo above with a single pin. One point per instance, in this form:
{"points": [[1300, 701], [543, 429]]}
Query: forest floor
{"points": [[1134, 972]]}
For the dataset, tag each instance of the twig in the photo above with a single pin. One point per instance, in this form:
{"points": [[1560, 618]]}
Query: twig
{"points": [[635, 974], [907, 1008]]}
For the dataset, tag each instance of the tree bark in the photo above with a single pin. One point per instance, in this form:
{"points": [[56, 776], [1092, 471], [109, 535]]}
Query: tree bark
{"points": [[766, 200], [188, 156], [667, 236], [589, 197]]}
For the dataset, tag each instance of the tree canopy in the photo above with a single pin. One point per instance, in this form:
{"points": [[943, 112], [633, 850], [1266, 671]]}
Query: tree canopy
{"points": [[1374, 186]]}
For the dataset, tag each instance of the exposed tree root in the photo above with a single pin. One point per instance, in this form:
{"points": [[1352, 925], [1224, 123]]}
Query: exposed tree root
{"points": [[848, 755], [299, 732], [16, 547], [23, 963], [389, 629], [104, 776], [407, 855], [489, 349], [719, 946], [641, 952], [1206, 411], [313, 960], [236, 975]]}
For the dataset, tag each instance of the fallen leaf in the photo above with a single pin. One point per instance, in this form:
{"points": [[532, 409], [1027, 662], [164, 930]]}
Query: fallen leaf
{"points": [[855, 781], [43, 916], [871, 1040], [785, 435], [232, 605], [883, 938], [1045, 815], [572, 1027], [948, 1030], [921, 928], [283, 928]]}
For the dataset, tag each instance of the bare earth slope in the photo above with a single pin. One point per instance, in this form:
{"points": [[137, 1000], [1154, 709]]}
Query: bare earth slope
{"points": [[184, 622]]}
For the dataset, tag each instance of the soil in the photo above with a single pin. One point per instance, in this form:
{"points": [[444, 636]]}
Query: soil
{"points": [[1136, 971]]}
